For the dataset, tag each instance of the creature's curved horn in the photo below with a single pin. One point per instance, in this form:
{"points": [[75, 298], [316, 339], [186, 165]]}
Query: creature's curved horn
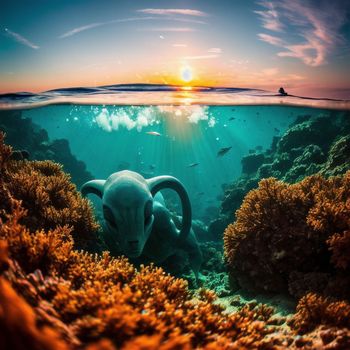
{"points": [[158, 183], [93, 186]]}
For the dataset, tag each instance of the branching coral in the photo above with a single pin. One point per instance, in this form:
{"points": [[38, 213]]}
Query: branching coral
{"points": [[339, 245], [18, 328], [101, 297], [49, 197], [313, 310], [281, 231]]}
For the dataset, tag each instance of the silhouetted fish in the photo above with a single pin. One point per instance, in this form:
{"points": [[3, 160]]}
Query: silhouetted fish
{"points": [[232, 118], [259, 148], [153, 133], [19, 155], [276, 130], [223, 151], [152, 166], [192, 165]]}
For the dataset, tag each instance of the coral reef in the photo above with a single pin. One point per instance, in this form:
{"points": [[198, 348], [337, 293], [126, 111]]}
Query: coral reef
{"points": [[70, 299], [314, 310], [311, 145], [49, 198], [284, 234], [22, 133]]}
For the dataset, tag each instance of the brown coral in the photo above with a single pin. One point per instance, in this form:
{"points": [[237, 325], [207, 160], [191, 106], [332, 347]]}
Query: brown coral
{"points": [[339, 245], [282, 231], [18, 329], [101, 297], [49, 197], [313, 310]]}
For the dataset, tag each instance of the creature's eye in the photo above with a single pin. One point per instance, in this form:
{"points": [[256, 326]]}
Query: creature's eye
{"points": [[108, 215], [148, 212]]}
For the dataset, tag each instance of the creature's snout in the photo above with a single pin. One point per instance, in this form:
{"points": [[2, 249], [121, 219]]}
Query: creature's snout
{"points": [[133, 248]]}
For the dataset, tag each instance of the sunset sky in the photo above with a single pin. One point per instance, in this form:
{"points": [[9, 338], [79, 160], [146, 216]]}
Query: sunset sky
{"points": [[301, 45]]}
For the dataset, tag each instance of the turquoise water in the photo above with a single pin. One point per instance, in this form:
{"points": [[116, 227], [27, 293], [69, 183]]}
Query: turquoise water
{"points": [[182, 141]]}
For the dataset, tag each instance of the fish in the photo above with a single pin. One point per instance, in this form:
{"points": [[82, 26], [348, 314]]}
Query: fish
{"points": [[223, 151], [152, 166], [259, 148], [276, 130], [192, 165], [232, 118], [200, 194], [153, 133]]}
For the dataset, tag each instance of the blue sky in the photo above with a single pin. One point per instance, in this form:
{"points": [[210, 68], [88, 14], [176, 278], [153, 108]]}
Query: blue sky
{"points": [[302, 45]]}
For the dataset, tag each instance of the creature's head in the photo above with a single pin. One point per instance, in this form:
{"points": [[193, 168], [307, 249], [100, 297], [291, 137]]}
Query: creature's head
{"points": [[127, 200]]}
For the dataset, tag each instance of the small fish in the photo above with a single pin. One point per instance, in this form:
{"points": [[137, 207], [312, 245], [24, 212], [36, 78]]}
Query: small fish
{"points": [[19, 155], [223, 151], [192, 165], [232, 118], [200, 194], [251, 151], [259, 148], [277, 130], [153, 133], [152, 166]]}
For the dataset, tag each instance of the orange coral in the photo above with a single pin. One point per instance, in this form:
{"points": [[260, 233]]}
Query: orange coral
{"points": [[18, 328], [48, 196], [102, 297], [339, 245], [281, 231], [313, 310], [50, 199]]}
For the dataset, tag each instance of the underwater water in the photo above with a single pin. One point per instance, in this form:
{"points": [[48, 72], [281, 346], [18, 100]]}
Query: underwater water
{"points": [[269, 185], [182, 141]]}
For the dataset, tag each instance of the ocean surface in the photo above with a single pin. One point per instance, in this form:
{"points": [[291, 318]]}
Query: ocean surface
{"points": [[152, 94]]}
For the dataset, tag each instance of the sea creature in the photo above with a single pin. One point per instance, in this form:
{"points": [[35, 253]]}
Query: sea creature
{"points": [[153, 133], [259, 148], [223, 151], [276, 130], [232, 118], [192, 165], [138, 224], [152, 166], [200, 194]]}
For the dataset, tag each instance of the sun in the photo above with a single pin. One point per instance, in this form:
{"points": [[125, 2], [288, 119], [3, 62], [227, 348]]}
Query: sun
{"points": [[186, 74]]}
